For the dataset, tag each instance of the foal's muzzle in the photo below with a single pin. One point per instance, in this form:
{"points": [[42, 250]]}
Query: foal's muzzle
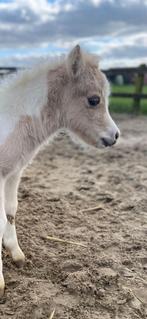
{"points": [[107, 141]]}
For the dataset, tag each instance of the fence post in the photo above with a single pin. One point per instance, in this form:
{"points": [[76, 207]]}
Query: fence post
{"points": [[139, 82]]}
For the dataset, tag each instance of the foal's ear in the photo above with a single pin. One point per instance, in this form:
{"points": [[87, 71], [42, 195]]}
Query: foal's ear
{"points": [[75, 62]]}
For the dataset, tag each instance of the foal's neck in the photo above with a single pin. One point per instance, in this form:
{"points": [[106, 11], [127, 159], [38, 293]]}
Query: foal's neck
{"points": [[51, 117]]}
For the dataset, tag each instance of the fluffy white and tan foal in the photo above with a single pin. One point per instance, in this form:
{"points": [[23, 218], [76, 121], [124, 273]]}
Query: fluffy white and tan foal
{"points": [[71, 94]]}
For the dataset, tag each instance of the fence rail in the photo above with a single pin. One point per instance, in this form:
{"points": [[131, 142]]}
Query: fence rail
{"points": [[7, 70], [116, 71], [130, 95]]}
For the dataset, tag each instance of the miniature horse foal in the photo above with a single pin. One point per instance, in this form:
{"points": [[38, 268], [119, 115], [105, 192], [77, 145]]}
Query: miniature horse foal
{"points": [[34, 104]]}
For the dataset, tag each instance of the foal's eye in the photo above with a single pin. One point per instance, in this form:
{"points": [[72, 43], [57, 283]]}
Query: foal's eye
{"points": [[93, 101]]}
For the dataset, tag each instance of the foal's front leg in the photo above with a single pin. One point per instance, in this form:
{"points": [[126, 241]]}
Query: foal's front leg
{"points": [[11, 203], [3, 222]]}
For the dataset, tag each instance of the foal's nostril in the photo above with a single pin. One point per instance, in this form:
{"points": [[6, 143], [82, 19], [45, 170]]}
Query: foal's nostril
{"points": [[105, 142], [116, 135]]}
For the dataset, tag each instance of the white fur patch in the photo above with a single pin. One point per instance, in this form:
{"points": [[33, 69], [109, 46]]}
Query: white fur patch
{"points": [[7, 125], [26, 96]]}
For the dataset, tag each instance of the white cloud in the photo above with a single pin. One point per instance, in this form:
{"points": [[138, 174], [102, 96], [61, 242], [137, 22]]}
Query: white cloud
{"points": [[111, 28]]}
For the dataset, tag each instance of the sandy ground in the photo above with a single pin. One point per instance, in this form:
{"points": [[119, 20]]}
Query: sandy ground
{"points": [[108, 277]]}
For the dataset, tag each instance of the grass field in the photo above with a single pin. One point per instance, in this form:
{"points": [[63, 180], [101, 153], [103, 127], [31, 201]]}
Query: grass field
{"points": [[124, 105]]}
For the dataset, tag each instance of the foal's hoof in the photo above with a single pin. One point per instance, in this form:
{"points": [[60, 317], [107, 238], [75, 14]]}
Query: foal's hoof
{"points": [[1, 292], [19, 262], [19, 258], [2, 287]]}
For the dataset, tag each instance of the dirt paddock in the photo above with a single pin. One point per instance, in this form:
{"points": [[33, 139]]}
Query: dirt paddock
{"points": [[107, 277]]}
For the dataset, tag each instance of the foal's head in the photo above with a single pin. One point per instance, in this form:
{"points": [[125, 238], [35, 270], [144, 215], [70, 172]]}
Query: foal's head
{"points": [[86, 101]]}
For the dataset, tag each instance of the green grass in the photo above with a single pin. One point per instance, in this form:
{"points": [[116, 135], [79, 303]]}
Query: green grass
{"points": [[124, 105]]}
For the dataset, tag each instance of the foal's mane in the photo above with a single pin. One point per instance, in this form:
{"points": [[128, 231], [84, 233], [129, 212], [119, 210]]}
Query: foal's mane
{"points": [[22, 76]]}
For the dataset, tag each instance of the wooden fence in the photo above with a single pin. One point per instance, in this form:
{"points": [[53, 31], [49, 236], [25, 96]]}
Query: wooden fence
{"points": [[7, 70], [137, 73], [139, 78]]}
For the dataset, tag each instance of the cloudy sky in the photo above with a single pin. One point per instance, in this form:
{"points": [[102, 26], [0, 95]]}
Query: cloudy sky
{"points": [[116, 30]]}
